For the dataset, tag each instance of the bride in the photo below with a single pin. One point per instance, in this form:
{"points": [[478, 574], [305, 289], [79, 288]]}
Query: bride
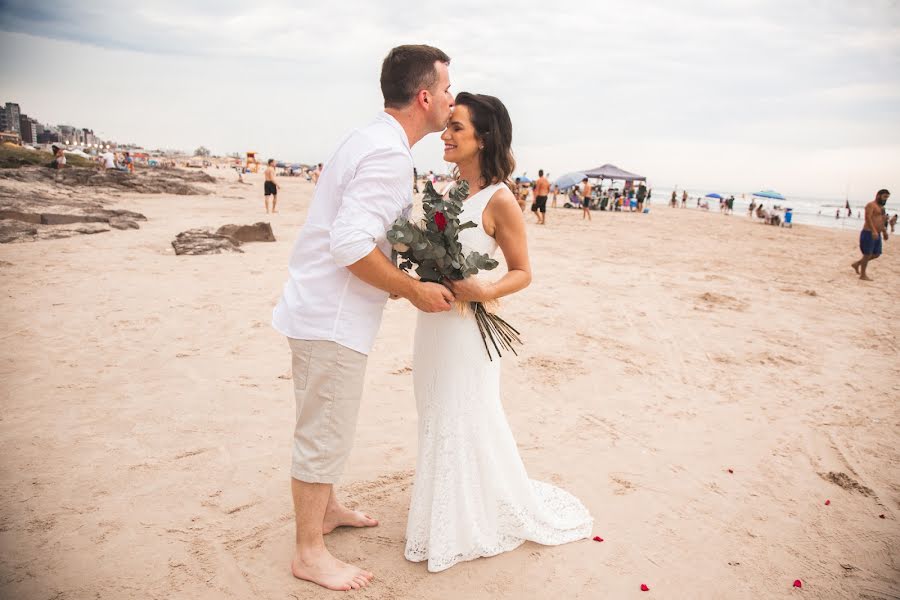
{"points": [[472, 496]]}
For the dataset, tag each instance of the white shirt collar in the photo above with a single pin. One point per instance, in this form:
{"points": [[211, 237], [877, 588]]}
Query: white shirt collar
{"points": [[383, 116]]}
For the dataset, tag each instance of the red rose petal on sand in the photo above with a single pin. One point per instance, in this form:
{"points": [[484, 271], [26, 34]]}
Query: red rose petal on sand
{"points": [[798, 583], [827, 502], [731, 470], [644, 587], [881, 516], [597, 538]]}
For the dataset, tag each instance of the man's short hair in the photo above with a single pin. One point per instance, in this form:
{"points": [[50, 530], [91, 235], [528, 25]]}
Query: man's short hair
{"points": [[882, 191], [408, 69], [540, 172], [270, 161]]}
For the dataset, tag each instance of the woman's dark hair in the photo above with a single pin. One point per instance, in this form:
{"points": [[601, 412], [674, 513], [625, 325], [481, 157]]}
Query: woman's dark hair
{"points": [[493, 128], [408, 69]]}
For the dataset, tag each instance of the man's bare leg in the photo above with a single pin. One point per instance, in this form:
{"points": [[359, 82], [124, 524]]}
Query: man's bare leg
{"points": [[267, 205], [863, 264], [274, 202], [312, 560], [338, 515], [856, 265]]}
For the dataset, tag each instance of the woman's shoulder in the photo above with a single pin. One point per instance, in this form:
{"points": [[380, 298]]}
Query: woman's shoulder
{"points": [[503, 195]]}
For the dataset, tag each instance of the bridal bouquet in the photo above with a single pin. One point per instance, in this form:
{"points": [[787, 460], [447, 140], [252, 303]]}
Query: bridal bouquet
{"points": [[433, 247]]}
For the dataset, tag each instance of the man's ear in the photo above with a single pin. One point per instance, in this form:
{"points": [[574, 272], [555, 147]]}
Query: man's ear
{"points": [[424, 98]]}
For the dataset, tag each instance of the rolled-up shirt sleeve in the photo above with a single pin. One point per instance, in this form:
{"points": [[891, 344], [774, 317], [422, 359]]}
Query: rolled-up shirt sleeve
{"points": [[372, 200]]}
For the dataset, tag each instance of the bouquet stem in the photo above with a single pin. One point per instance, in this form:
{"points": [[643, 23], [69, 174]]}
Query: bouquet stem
{"points": [[494, 328]]}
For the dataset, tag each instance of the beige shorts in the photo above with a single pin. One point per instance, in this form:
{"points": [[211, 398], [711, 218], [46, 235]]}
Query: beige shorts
{"points": [[328, 384]]}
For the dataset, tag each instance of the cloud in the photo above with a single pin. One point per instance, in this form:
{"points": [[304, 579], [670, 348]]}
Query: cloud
{"points": [[580, 79]]}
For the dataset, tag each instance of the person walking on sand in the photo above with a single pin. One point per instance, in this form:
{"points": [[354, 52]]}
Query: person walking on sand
{"points": [[684, 199], [641, 196], [541, 191], [586, 190], [270, 187], [873, 229], [341, 276]]}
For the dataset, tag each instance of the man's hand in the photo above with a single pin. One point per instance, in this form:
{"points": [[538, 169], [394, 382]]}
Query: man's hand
{"points": [[431, 297]]}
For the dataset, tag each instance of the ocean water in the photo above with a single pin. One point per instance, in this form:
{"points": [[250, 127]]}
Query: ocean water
{"points": [[807, 210]]}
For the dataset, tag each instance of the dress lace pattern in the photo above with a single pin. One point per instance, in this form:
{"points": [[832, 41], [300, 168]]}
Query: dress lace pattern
{"points": [[472, 496]]}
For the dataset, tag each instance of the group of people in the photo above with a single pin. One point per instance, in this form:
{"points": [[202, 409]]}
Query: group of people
{"points": [[116, 161], [590, 197]]}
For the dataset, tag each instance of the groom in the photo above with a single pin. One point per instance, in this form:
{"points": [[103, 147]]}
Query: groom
{"points": [[340, 278]]}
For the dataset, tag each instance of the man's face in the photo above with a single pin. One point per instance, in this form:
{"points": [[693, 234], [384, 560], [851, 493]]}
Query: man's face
{"points": [[441, 99], [883, 198]]}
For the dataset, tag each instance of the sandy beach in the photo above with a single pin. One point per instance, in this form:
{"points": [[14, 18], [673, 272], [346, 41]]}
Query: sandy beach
{"points": [[703, 383]]}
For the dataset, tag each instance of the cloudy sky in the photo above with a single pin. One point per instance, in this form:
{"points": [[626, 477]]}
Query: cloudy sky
{"points": [[800, 96]]}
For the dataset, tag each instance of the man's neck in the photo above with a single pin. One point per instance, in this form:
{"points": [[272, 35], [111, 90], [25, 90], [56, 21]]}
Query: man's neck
{"points": [[410, 122]]}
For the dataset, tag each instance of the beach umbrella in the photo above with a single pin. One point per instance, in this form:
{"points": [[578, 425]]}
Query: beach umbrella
{"points": [[569, 179], [716, 196], [280, 164], [296, 166], [523, 179], [771, 194]]}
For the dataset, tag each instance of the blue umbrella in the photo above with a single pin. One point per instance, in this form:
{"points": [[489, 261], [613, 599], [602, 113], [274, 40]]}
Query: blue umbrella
{"points": [[716, 196], [569, 179], [280, 164], [296, 166], [523, 179], [769, 194]]}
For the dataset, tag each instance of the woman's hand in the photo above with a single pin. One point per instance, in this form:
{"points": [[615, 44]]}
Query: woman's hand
{"points": [[469, 289]]}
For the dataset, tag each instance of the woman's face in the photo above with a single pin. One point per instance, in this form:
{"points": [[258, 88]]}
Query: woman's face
{"points": [[460, 142]]}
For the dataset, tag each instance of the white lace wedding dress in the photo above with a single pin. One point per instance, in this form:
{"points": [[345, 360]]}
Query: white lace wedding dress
{"points": [[472, 496]]}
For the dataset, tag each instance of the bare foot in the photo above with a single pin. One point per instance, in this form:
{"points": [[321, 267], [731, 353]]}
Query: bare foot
{"points": [[855, 267], [865, 278], [344, 517], [322, 568]]}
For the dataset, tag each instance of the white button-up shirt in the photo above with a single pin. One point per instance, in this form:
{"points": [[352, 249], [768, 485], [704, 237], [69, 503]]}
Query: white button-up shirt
{"points": [[364, 187]]}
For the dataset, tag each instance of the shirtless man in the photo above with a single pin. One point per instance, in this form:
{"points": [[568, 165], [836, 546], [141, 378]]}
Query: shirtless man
{"points": [[541, 191], [586, 190], [870, 236], [270, 187]]}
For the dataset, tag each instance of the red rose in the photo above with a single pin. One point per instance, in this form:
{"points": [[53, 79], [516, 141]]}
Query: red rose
{"points": [[440, 220]]}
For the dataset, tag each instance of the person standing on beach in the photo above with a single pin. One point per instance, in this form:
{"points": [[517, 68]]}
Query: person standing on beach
{"points": [[586, 190], [270, 187], [641, 196], [341, 276], [674, 201], [874, 228], [541, 191], [684, 199]]}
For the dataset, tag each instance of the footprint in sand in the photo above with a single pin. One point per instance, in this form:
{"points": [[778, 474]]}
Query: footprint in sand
{"points": [[711, 300]]}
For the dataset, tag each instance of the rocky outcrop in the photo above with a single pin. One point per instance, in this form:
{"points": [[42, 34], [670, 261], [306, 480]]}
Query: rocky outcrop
{"points": [[143, 181], [204, 241], [258, 232], [20, 231]]}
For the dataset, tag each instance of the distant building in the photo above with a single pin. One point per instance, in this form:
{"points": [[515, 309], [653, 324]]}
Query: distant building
{"points": [[11, 115], [88, 136], [48, 137], [68, 134], [28, 129]]}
